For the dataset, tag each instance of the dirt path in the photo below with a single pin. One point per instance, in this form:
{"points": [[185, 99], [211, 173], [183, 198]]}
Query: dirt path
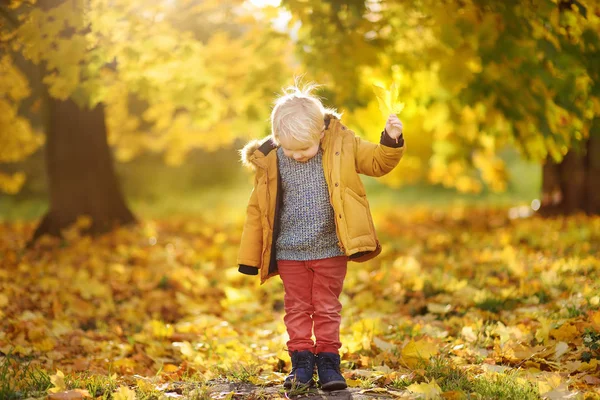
{"points": [[249, 391]]}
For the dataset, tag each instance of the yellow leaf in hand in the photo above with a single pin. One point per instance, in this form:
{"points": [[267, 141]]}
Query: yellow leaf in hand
{"points": [[388, 100], [396, 107], [124, 393], [383, 98], [58, 381]]}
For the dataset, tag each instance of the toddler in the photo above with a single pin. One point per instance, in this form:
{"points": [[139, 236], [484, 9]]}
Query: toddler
{"points": [[307, 216]]}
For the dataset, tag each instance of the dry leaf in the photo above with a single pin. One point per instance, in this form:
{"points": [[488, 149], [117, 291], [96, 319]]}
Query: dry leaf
{"points": [[77, 394], [58, 380], [429, 390], [124, 393], [416, 352]]}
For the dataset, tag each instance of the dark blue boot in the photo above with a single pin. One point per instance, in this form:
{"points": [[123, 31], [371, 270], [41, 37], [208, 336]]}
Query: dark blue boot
{"points": [[330, 378], [303, 368]]}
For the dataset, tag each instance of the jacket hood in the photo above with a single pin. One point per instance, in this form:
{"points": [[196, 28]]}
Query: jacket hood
{"points": [[267, 144], [247, 151]]}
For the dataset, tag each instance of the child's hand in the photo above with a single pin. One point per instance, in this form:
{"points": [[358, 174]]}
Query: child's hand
{"points": [[393, 127]]}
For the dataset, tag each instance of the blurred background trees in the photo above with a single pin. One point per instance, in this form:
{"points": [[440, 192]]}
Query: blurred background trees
{"points": [[477, 76], [93, 81], [166, 78]]}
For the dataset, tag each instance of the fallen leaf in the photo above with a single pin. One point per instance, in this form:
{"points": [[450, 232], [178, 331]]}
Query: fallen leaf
{"points": [[560, 349], [453, 395], [76, 394], [566, 332], [595, 320], [436, 308], [431, 390], [469, 334], [124, 393], [416, 352], [591, 380], [58, 380], [383, 345]]}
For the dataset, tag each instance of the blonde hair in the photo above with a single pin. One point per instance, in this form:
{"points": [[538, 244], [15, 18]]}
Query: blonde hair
{"points": [[299, 115]]}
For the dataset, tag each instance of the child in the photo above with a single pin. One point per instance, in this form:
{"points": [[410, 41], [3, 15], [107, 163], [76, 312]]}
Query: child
{"points": [[307, 216]]}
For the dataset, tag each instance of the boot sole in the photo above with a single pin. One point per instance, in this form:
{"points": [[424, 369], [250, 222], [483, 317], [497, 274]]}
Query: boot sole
{"points": [[334, 385]]}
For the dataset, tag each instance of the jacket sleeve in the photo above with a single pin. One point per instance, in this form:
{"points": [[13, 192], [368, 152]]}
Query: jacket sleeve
{"points": [[251, 242], [378, 159]]}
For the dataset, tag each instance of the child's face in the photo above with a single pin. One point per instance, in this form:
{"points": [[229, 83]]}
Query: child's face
{"points": [[299, 151]]}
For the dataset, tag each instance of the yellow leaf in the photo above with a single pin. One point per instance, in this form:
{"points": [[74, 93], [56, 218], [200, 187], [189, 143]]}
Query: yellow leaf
{"points": [[3, 300], [560, 349], [388, 100], [414, 352], [542, 333], [595, 320], [58, 381], [383, 345], [565, 333], [431, 390], [124, 393], [589, 366], [353, 382], [549, 383], [77, 394]]}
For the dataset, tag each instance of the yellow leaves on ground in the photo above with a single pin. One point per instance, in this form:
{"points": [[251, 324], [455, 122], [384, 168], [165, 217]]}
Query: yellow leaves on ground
{"points": [[388, 100], [471, 288]]}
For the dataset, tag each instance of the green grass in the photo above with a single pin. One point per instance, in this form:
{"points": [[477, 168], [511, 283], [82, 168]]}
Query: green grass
{"points": [[485, 386], [19, 379], [297, 389], [504, 386], [19, 209], [239, 373], [101, 386]]}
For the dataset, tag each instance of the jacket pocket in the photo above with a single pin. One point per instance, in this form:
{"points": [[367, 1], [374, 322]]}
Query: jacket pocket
{"points": [[356, 211]]}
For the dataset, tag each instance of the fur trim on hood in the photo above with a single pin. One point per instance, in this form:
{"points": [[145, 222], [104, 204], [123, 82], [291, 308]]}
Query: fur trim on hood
{"points": [[248, 150]]}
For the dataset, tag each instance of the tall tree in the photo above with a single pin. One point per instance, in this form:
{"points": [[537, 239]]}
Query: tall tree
{"points": [[123, 74], [476, 76]]}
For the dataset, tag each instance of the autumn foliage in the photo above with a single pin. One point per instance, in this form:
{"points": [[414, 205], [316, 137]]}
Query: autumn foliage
{"points": [[491, 295]]}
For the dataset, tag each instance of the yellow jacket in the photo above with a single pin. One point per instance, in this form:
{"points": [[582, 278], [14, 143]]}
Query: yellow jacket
{"points": [[344, 157]]}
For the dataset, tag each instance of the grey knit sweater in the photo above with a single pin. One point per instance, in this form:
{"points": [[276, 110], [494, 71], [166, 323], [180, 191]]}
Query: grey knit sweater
{"points": [[307, 224]]}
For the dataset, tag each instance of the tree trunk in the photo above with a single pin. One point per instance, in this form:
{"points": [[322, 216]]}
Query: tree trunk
{"points": [[80, 171], [593, 176], [573, 185]]}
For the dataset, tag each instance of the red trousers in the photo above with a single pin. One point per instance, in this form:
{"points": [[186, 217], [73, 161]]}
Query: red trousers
{"points": [[312, 291]]}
